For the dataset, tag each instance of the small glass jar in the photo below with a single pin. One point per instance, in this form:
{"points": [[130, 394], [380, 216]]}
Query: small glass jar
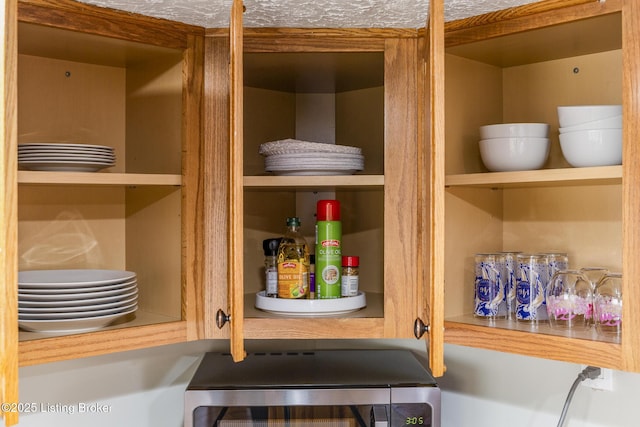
{"points": [[350, 276], [270, 247], [607, 305]]}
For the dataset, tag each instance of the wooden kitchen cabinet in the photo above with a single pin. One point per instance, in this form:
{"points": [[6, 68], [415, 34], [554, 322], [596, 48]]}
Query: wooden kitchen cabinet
{"points": [[357, 87], [503, 68], [95, 76]]}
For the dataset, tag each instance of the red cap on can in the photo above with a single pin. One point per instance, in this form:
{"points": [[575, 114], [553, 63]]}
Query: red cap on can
{"points": [[328, 210], [350, 261]]}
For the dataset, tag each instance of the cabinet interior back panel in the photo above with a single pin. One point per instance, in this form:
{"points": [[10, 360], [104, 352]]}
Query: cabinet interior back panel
{"points": [[71, 102], [473, 99], [360, 123], [153, 247], [584, 221], [154, 116], [473, 225], [480, 94], [71, 227], [269, 115], [533, 92]]}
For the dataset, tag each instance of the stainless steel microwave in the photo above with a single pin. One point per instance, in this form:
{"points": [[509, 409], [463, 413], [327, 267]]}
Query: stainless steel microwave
{"points": [[350, 388]]}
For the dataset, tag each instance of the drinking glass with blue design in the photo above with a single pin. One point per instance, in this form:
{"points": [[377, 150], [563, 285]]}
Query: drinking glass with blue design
{"points": [[489, 290]]}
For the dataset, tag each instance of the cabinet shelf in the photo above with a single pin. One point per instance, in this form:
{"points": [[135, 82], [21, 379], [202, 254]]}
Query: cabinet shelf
{"points": [[544, 177], [88, 178], [539, 341], [365, 323], [307, 182], [147, 329]]}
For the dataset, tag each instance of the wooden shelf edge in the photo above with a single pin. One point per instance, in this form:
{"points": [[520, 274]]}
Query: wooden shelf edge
{"points": [[572, 350], [89, 178], [314, 328], [60, 348], [316, 181], [561, 177]]}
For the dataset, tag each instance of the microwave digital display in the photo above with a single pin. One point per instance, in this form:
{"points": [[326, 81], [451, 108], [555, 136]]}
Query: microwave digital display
{"points": [[411, 415]]}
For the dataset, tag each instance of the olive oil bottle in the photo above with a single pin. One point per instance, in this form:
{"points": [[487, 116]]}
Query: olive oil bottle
{"points": [[293, 263]]}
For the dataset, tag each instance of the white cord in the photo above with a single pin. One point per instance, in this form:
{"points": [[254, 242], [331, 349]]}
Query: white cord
{"points": [[590, 372]]}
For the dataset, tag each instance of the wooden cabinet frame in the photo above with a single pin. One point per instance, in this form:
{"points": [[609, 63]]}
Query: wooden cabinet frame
{"points": [[402, 298], [585, 351], [86, 19]]}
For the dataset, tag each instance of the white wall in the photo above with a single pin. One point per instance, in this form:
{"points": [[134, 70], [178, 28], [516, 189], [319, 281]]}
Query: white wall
{"points": [[480, 389]]}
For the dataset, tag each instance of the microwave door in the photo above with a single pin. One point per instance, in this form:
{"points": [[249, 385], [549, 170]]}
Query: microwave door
{"points": [[296, 416], [379, 416]]}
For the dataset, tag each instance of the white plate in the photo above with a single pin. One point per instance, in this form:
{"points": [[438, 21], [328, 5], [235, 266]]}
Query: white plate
{"points": [[73, 278], [67, 294], [310, 307], [68, 300], [67, 161], [72, 155], [313, 165], [78, 305], [312, 172], [71, 325], [315, 156], [57, 295], [75, 315], [62, 146], [62, 166], [82, 161]]}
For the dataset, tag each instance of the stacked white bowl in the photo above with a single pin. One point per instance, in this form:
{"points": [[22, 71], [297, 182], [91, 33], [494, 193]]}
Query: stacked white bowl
{"points": [[591, 135], [514, 146]]}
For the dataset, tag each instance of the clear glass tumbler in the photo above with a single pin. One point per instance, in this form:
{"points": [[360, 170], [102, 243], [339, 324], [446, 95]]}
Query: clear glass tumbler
{"points": [[531, 281], [594, 274], [607, 305], [570, 300], [489, 290]]}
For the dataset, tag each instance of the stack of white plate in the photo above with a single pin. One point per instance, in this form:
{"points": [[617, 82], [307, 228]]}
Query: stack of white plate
{"points": [[54, 156], [70, 301], [294, 157]]}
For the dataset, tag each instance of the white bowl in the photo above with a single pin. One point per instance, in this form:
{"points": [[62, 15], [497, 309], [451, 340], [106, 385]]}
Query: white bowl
{"points": [[596, 147], [573, 115], [514, 154], [614, 122], [510, 130]]}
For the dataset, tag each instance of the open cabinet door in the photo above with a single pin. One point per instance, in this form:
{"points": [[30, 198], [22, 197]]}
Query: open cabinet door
{"points": [[432, 182], [236, 205], [8, 219]]}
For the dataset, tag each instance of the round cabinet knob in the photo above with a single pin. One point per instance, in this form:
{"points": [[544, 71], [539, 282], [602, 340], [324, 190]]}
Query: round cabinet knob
{"points": [[221, 318], [419, 328]]}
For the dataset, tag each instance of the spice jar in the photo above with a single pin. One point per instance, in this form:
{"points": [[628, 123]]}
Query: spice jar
{"points": [[350, 273]]}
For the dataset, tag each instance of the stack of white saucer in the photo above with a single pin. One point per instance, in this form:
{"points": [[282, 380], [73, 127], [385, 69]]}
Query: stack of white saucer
{"points": [[295, 157]]}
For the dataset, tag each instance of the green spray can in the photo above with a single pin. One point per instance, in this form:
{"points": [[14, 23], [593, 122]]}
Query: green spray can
{"points": [[328, 249]]}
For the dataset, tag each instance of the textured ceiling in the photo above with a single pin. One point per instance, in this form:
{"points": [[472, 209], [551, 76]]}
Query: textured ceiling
{"points": [[307, 13]]}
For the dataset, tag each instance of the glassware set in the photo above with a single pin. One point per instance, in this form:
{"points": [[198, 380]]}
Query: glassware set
{"points": [[533, 287], [577, 300]]}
